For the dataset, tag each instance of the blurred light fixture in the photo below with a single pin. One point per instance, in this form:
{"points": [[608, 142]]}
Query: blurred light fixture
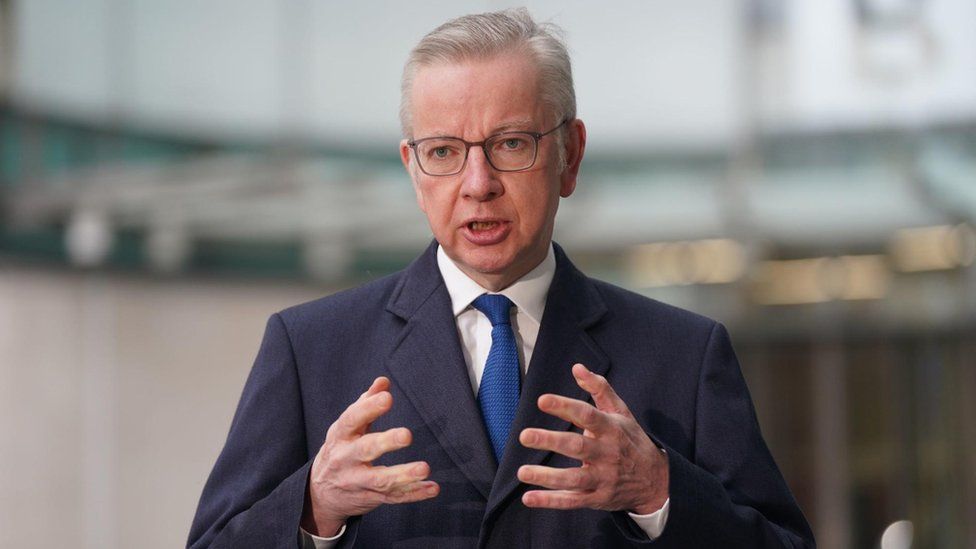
{"points": [[963, 249], [863, 276], [708, 261], [934, 248], [898, 535], [821, 279], [88, 237], [793, 281]]}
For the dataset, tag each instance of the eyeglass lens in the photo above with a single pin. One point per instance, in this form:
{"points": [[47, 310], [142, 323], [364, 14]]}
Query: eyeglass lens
{"points": [[507, 152]]}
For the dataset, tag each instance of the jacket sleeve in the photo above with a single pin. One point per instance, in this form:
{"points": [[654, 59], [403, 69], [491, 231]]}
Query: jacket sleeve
{"points": [[256, 492], [729, 493]]}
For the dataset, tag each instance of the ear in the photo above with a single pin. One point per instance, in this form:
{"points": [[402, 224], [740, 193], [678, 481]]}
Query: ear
{"points": [[408, 160], [574, 145]]}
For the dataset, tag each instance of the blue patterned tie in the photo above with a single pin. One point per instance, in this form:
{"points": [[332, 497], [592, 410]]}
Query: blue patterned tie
{"points": [[498, 393]]}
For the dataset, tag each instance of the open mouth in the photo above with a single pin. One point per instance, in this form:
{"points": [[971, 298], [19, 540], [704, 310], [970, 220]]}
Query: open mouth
{"points": [[482, 225], [486, 232]]}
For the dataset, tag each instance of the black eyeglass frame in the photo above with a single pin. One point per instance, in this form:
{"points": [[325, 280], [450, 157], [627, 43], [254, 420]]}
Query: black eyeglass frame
{"points": [[468, 144]]}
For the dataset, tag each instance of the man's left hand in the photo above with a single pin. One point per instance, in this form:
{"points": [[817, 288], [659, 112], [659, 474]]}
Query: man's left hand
{"points": [[621, 467]]}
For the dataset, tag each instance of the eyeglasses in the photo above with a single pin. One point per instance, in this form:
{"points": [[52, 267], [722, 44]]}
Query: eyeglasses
{"points": [[506, 152]]}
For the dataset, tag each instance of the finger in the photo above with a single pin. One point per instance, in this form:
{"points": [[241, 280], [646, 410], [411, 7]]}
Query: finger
{"points": [[360, 414], [572, 478], [373, 445], [604, 396], [571, 445], [416, 491], [554, 499], [577, 412], [393, 479], [381, 383]]}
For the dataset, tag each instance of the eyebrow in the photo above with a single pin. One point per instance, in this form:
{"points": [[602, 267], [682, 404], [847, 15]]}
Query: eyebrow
{"points": [[518, 124]]}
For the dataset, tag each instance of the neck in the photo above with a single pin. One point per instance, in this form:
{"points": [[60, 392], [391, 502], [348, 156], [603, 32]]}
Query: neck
{"points": [[498, 281], [494, 282]]}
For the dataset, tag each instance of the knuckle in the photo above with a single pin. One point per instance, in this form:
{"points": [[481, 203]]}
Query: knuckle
{"points": [[589, 415], [364, 450], [400, 438], [584, 500], [536, 476], [578, 445], [602, 382], [346, 420], [336, 455], [381, 483], [542, 438], [580, 478]]}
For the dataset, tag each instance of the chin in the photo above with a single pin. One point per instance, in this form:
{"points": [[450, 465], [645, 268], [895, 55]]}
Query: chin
{"points": [[499, 261], [489, 265]]}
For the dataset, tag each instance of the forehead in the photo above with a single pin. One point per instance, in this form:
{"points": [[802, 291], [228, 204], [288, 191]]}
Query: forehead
{"points": [[471, 97]]}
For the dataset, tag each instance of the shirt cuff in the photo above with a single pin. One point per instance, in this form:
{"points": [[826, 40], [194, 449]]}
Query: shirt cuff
{"points": [[652, 524], [314, 542]]}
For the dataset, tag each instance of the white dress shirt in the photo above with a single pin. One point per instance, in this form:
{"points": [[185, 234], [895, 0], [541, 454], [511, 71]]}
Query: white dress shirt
{"points": [[529, 296]]}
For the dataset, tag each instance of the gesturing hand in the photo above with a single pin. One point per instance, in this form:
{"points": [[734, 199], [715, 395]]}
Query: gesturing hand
{"points": [[621, 468], [343, 483]]}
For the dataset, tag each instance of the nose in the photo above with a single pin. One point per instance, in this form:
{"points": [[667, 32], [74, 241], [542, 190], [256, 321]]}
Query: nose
{"points": [[479, 180]]}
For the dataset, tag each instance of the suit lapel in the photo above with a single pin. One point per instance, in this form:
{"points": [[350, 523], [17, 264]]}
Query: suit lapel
{"points": [[427, 364], [573, 305]]}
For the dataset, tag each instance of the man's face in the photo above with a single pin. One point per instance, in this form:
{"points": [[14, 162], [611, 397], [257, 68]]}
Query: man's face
{"points": [[496, 226]]}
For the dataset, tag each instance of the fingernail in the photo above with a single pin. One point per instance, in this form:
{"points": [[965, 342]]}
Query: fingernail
{"points": [[432, 489], [402, 437], [529, 437]]}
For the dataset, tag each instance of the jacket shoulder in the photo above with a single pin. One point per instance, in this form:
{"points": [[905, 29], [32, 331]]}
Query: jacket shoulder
{"points": [[360, 302]]}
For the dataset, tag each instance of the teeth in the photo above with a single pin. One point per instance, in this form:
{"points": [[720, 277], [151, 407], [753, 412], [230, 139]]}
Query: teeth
{"points": [[482, 225]]}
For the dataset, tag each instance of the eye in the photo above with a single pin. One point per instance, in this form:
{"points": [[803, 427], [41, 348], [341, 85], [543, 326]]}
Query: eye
{"points": [[440, 150], [511, 144]]}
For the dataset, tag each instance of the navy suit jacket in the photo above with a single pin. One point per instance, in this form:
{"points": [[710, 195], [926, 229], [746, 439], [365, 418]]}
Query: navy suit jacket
{"points": [[675, 370]]}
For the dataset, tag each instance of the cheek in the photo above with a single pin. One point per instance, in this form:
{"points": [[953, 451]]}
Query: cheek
{"points": [[439, 207], [538, 209]]}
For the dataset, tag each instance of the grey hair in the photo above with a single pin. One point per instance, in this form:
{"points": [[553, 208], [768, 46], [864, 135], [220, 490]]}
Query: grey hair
{"points": [[487, 35]]}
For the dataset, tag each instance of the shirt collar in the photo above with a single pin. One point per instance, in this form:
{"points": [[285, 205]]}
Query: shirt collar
{"points": [[527, 293]]}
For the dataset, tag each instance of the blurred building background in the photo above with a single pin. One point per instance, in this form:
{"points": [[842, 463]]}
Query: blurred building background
{"points": [[173, 172]]}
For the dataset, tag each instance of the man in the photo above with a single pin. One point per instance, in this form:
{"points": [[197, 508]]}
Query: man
{"points": [[509, 400]]}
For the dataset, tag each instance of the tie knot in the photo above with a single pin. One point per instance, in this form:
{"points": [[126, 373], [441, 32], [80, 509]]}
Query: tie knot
{"points": [[495, 306]]}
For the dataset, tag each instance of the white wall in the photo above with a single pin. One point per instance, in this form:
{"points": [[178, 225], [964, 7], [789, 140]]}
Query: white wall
{"points": [[833, 72], [648, 73], [116, 397]]}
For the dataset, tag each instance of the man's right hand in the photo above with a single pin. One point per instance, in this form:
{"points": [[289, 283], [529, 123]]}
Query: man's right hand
{"points": [[343, 482]]}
